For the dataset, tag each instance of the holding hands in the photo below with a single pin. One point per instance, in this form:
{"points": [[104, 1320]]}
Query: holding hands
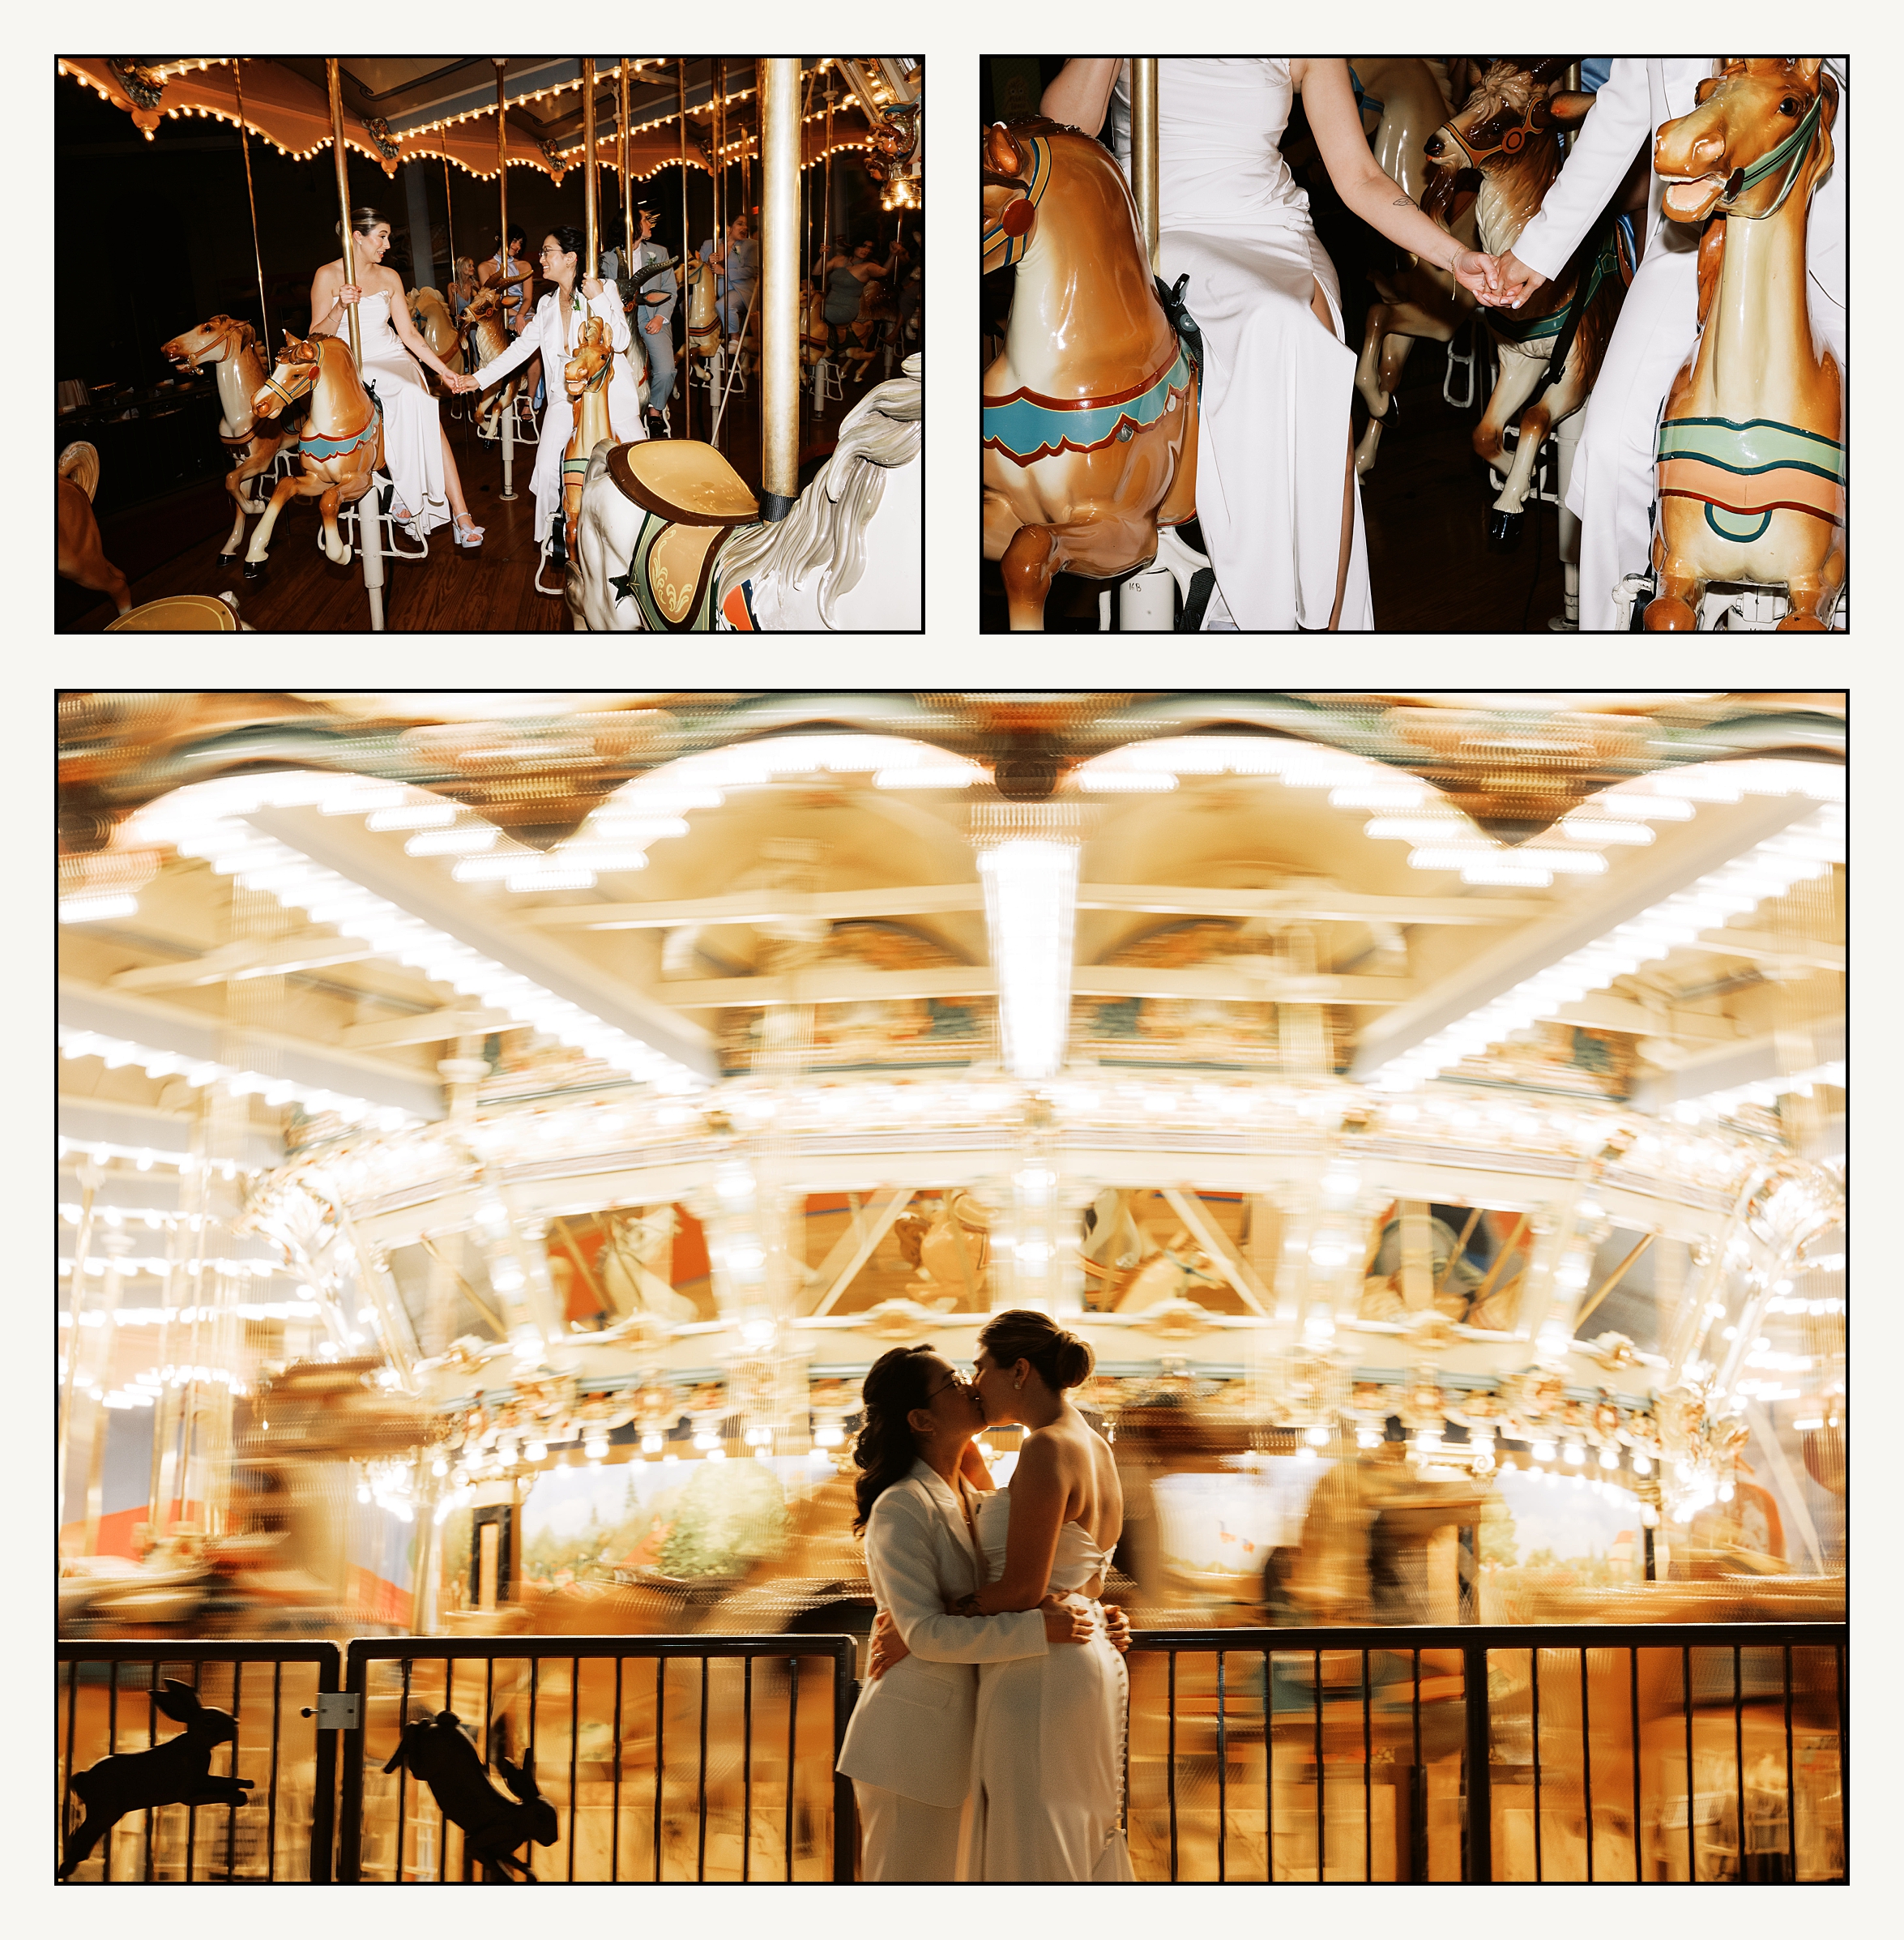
{"points": [[1518, 282], [1480, 273], [1064, 1623]]}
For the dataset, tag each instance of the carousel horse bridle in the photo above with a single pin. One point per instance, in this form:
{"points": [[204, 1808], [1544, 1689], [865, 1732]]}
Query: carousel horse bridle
{"points": [[1502, 134], [1790, 153], [1012, 232]]}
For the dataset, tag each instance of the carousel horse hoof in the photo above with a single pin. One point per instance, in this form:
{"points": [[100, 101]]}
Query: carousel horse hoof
{"points": [[254, 568], [1203, 585], [1802, 623], [1671, 614], [1504, 531]]}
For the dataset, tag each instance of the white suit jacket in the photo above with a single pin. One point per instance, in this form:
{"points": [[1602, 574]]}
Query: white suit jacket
{"points": [[912, 1731], [1640, 95]]}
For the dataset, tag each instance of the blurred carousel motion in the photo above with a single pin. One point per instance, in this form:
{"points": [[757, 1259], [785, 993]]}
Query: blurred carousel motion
{"points": [[499, 1131]]}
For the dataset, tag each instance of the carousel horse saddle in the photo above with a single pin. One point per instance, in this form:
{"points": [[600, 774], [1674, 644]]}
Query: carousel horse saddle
{"points": [[1744, 472], [690, 500]]}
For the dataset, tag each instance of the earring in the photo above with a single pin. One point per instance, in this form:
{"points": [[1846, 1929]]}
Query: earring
{"points": [[1018, 1384]]}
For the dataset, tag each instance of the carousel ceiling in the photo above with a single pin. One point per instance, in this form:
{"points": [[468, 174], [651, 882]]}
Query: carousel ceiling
{"points": [[399, 109], [1497, 1010]]}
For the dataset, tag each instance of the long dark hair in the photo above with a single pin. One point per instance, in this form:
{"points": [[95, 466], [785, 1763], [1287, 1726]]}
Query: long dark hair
{"points": [[895, 1384], [1023, 1333], [571, 241]]}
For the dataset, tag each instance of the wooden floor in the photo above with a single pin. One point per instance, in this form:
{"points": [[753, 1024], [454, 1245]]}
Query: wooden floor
{"points": [[171, 545], [1425, 506]]}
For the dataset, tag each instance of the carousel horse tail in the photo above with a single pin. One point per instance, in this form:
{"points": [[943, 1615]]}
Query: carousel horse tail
{"points": [[79, 461]]}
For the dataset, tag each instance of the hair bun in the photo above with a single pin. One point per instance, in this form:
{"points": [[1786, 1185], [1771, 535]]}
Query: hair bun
{"points": [[1072, 1360]]}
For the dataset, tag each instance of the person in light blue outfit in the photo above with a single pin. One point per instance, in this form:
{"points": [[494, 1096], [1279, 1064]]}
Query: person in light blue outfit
{"points": [[737, 261], [651, 314]]}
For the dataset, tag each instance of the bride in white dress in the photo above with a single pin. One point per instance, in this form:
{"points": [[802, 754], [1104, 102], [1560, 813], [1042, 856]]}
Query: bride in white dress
{"points": [[1276, 497], [416, 451], [1048, 1754]]}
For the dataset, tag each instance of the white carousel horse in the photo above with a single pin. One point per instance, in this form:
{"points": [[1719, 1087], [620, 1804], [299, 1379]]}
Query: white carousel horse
{"points": [[669, 537], [231, 349], [698, 285], [81, 556]]}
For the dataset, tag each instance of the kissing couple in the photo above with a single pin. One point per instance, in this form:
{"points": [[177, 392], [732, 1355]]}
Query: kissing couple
{"points": [[995, 1702]]}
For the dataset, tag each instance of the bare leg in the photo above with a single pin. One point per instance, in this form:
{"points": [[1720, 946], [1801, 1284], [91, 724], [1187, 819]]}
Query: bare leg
{"points": [[1319, 304], [452, 478]]}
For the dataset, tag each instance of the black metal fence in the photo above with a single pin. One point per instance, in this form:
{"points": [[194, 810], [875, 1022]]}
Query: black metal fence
{"points": [[1707, 1753], [667, 1758], [107, 1703]]}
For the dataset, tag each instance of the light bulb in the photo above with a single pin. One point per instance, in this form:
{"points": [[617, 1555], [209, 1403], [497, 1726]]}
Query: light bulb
{"points": [[1575, 1452], [1543, 1451], [1609, 1457], [650, 1444], [1316, 1437]]}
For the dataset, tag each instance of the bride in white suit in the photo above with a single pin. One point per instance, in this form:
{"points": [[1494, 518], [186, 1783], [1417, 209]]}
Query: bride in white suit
{"points": [[908, 1746]]}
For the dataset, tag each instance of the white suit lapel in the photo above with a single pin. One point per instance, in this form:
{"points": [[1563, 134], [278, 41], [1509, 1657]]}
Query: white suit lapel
{"points": [[952, 1511]]}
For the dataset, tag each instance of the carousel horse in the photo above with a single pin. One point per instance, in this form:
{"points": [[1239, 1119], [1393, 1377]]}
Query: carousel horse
{"points": [[669, 539], [698, 283], [816, 335], [1416, 299], [483, 326], [81, 556], [1500, 154], [585, 378], [1089, 411], [430, 314], [231, 349], [342, 448], [1751, 453]]}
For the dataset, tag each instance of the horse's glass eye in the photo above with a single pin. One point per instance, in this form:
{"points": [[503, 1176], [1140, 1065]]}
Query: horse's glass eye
{"points": [[1789, 106]]}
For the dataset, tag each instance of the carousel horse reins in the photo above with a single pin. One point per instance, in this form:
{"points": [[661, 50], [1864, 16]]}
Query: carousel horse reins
{"points": [[1013, 229], [1792, 152]]}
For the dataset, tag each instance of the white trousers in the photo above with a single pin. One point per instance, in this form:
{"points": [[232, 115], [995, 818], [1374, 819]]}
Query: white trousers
{"points": [[1611, 489], [903, 1839]]}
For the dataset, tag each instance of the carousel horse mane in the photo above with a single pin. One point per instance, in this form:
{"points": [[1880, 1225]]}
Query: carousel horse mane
{"points": [[829, 520]]}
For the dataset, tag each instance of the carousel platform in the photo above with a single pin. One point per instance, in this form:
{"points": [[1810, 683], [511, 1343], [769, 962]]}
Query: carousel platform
{"points": [[169, 545]]}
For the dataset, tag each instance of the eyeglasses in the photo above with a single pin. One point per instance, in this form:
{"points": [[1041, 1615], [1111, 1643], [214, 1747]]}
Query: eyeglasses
{"points": [[958, 1380]]}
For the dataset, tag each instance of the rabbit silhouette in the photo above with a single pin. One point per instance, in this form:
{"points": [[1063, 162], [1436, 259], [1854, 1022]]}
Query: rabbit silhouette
{"points": [[176, 1773], [435, 1751]]}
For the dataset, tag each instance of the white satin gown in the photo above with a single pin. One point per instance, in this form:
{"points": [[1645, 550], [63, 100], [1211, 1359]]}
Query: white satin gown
{"points": [[1047, 1750], [412, 435], [1273, 404]]}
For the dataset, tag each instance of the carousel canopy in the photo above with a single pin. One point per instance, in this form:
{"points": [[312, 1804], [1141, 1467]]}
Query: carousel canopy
{"points": [[400, 109]]}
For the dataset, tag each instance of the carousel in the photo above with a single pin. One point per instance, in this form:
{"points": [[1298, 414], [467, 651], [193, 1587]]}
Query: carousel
{"points": [[498, 1132], [1460, 511], [700, 281]]}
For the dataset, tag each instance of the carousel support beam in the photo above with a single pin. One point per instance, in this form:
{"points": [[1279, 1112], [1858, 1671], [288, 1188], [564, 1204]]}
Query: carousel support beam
{"points": [[1143, 149], [264, 318], [627, 185], [502, 258], [414, 887], [845, 984], [1743, 1061], [1311, 904], [779, 226], [367, 514], [1637, 886]]}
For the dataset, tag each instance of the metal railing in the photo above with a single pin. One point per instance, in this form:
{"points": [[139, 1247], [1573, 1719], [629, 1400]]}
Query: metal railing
{"points": [[106, 1701], [1594, 1753], [754, 1794], [1541, 1753]]}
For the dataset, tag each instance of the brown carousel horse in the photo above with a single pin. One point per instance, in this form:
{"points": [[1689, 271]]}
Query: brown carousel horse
{"points": [[231, 349], [488, 337], [585, 378], [1500, 153], [342, 448], [430, 313], [1414, 299], [1089, 413], [1751, 452], [81, 556]]}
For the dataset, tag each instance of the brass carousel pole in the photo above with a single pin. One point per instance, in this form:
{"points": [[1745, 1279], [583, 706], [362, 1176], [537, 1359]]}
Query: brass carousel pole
{"points": [[1143, 148], [502, 258], [687, 255], [591, 189], [449, 213], [779, 271], [264, 319], [367, 511], [627, 191]]}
